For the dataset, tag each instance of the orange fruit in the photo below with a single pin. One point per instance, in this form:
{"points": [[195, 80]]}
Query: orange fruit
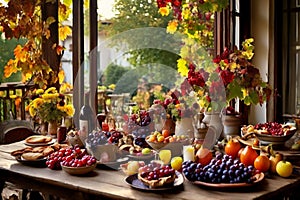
{"points": [[204, 156], [248, 155], [165, 133], [262, 163], [232, 148], [152, 138]]}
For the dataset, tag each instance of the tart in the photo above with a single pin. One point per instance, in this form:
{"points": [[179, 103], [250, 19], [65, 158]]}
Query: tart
{"points": [[158, 177]]}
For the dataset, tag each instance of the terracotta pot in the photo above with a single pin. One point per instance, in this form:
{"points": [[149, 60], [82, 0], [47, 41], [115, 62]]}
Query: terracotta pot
{"points": [[52, 128], [231, 125]]}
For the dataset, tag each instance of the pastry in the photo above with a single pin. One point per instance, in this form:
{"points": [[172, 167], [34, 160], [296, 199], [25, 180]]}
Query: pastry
{"points": [[155, 175], [38, 149], [19, 152], [47, 151], [32, 156], [35, 139]]}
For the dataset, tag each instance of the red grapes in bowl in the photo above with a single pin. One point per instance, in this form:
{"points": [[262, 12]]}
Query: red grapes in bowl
{"points": [[71, 156]]}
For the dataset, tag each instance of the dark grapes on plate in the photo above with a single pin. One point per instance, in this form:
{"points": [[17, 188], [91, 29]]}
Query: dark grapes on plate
{"points": [[221, 169]]}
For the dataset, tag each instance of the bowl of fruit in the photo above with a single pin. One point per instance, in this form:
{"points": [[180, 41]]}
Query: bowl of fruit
{"points": [[156, 140], [175, 144], [270, 132], [73, 160], [103, 145]]}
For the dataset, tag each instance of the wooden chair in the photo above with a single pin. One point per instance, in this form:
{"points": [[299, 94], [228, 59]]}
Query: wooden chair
{"points": [[14, 131]]}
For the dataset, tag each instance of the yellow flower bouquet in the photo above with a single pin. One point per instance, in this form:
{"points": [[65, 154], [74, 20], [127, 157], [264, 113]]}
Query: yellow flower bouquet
{"points": [[49, 105]]}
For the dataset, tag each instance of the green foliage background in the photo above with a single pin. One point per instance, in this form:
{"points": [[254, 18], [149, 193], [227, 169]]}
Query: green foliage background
{"points": [[141, 14], [6, 53]]}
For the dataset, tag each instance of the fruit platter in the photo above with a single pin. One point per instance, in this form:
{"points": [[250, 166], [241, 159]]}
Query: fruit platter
{"points": [[270, 132], [221, 172], [165, 140]]}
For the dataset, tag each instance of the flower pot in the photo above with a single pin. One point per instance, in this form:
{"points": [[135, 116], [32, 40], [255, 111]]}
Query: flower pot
{"points": [[185, 126], [231, 125], [52, 128]]}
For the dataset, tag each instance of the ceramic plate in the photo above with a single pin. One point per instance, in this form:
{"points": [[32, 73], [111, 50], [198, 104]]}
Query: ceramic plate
{"points": [[40, 144], [134, 182], [37, 163], [259, 177]]}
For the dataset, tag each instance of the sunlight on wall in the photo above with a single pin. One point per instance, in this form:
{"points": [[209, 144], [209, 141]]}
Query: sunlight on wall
{"points": [[105, 9]]}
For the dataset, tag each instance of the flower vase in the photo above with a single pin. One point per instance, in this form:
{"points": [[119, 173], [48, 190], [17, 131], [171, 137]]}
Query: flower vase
{"points": [[43, 128], [231, 125], [200, 126], [52, 128], [213, 119], [169, 125], [185, 126]]}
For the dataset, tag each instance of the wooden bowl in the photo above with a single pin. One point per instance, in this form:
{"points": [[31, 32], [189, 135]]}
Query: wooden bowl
{"points": [[274, 139], [79, 170]]}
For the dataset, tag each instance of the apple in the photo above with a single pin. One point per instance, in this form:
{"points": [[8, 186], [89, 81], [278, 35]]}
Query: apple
{"points": [[274, 159], [284, 168], [146, 151]]}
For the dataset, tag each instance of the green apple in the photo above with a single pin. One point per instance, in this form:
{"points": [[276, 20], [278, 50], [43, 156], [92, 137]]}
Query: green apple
{"points": [[146, 151], [284, 168]]}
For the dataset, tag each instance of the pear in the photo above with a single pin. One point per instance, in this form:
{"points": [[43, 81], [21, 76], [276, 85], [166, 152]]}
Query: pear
{"points": [[274, 159]]}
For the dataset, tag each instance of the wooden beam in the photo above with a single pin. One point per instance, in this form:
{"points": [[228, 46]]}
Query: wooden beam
{"points": [[78, 57], [50, 9], [93, 54]]}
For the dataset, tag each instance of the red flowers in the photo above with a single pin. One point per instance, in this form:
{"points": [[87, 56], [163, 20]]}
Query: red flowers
{"points": [[197, 78]]}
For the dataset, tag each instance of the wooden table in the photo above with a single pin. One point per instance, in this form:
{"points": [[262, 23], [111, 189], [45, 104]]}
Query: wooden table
{"points": [[110, 184]]}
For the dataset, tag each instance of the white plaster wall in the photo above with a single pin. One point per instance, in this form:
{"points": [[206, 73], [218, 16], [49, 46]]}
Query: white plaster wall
{"points": [[260, 33]]}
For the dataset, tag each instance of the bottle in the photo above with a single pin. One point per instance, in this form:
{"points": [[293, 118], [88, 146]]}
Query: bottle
{"points": [[86, 118], [62, 132]]}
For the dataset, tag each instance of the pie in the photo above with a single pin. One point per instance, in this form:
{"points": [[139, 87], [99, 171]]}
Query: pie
{"points": [[154, 176], [162, 181]]}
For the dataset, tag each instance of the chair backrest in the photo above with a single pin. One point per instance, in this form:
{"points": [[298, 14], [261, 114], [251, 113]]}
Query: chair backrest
{"points": [[14, 131]]}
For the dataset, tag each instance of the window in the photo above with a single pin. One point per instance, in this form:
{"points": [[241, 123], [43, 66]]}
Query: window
{"points": [[287, 23]]}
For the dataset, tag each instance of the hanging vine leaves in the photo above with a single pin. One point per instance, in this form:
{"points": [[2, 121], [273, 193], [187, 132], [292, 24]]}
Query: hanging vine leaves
{"points": [[22, 19]]}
